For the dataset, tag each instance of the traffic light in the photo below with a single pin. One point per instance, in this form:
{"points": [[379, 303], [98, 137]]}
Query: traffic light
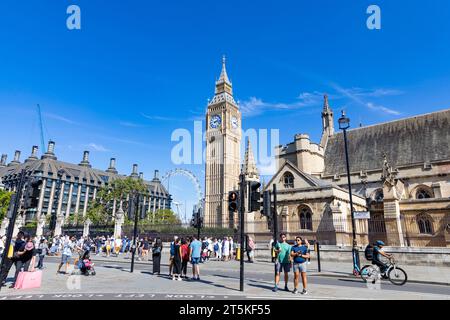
{"points": [[200, 222], [31, 197], [267, 210], [255, 196], [197, 220], [233, 201]]}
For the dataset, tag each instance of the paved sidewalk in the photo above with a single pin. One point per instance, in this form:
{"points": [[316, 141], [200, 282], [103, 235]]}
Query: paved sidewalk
{"points": [[416, 274], [113, 282]]}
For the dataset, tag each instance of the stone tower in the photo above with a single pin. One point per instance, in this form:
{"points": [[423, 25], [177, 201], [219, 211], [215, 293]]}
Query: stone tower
{"points": [[223, 139]]}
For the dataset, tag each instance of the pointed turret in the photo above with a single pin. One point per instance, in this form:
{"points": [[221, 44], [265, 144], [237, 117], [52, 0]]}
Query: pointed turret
{"points": [[249, 166], [327, 122], [224, 84]]}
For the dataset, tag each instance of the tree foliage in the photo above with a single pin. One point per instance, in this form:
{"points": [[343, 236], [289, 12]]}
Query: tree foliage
{"points": [[5, 198], [100, 210], [162, 216]]}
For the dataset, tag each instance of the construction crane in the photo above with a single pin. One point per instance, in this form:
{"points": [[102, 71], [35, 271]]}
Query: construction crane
{"points": [[41, 128]]}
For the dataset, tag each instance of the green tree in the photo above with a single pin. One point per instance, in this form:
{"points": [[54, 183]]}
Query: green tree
{"points": [[100, 210], [5, 198], [166, 216]]}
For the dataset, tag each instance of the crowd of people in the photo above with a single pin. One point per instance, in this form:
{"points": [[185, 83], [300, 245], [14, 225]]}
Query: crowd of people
{"points": [[183, 251], [25, 250]]}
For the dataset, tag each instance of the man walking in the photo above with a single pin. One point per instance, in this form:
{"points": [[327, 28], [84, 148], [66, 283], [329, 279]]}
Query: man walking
{"points": [[300, 253], [69, 245], [194, 255], [283, 261]]}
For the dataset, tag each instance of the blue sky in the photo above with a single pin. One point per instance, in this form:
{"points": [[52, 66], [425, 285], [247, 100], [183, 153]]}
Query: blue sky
{"points": [[137, 70]]}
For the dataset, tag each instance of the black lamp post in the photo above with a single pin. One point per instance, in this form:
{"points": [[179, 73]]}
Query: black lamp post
{"points": [[344, 124]]}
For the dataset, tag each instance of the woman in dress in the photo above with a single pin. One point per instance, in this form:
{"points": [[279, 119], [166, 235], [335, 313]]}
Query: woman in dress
{"points": [[156, 256], [177, 261]]}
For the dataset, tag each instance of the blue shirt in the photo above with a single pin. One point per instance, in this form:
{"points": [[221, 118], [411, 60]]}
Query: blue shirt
{"points": [[302, 249], [376, 253], [196, 247]]}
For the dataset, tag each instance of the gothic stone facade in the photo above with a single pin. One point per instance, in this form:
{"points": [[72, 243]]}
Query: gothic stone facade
{"points": [[400, 172]]}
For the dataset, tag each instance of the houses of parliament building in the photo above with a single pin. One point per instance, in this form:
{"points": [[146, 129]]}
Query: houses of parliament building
{"points": [[400, 175]]}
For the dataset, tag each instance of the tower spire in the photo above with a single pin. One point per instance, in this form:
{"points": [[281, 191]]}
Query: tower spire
{"points": [[326, 106], [224, 84], [327, 122], [223, 74], [249, 166]]}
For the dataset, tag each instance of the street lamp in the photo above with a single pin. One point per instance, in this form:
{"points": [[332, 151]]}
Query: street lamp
{"points": [[344, 124]]}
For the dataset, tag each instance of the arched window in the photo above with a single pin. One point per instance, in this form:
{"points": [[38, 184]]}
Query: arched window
{"points": [[425, 224], [288, 179], [423, 193], [305, 219]]}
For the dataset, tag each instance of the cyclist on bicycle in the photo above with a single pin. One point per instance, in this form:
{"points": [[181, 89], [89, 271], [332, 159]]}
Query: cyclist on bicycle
{"points": [[377, 253]]}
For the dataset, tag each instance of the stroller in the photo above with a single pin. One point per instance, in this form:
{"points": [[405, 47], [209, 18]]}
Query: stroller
{"points": [[85, 265]]}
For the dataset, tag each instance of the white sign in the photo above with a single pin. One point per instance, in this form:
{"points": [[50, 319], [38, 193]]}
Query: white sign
{"points": [[361, 214]]}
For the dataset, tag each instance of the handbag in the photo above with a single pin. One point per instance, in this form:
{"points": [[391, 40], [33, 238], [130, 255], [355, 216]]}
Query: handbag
{"points": [[29, 279]]}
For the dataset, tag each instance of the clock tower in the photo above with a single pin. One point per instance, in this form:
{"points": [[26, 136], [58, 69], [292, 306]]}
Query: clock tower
{"points": [[223, 141]]}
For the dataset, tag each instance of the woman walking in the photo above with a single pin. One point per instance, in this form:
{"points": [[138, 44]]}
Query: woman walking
{"points": [[177, 261], [184, 257], [42, 252], [156, 256]]}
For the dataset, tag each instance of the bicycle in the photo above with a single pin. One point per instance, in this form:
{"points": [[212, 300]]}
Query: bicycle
{"points": [[396, 275]]}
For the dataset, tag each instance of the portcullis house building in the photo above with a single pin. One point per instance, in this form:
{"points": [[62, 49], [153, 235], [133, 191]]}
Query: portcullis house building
{"points": [[68, 188]]}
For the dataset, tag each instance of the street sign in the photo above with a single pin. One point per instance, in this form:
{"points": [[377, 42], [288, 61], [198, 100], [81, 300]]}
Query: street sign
{"points": [[361, 214]]}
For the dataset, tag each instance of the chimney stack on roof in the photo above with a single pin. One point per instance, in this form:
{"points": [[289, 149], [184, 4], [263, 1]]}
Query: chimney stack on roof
{"points": [[50, 154], [3, 160], [141, 175], [33, 155], [134, 173], [85, 162], [112, 166], [16, 160], [156, 177]]}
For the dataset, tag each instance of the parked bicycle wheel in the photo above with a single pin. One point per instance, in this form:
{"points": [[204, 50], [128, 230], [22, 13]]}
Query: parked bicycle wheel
{"points": [[368, 273], [397, 276]]}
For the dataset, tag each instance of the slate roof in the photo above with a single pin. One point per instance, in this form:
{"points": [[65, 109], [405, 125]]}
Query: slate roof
{"points": [[93, 176], [414, 140]]}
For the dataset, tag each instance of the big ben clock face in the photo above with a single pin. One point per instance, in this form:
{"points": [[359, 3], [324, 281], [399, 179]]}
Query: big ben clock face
{"points": [[215, 121], [234, 122]]}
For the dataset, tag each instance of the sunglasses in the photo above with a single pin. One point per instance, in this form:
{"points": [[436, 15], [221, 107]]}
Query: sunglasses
{"points": [[298, 240]]}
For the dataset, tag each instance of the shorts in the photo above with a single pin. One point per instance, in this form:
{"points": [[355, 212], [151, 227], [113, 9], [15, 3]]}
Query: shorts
{"points": [[195, 260], [65, 258], [300, 267], [286, 267]]}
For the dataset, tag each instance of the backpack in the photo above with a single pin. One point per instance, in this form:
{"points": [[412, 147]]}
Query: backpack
{"points": [[216, 247], [368, 252]]}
